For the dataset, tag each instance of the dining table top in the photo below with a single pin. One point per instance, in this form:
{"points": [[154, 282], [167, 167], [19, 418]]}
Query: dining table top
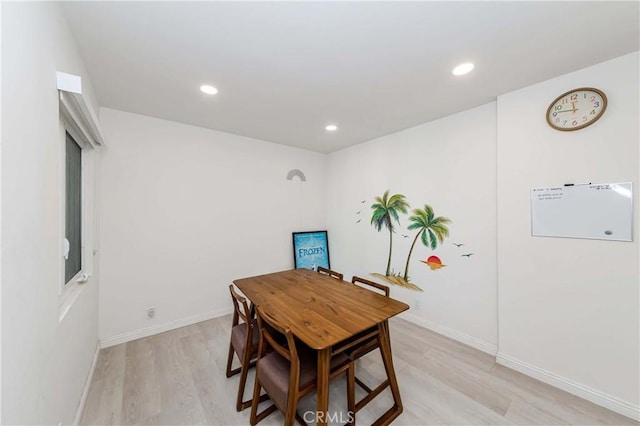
{"points": [[320, 310]]}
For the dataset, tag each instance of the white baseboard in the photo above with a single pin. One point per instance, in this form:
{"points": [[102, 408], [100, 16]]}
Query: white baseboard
{"points": [[87, 385], [160, 328], [474, 342], [607, 401]]}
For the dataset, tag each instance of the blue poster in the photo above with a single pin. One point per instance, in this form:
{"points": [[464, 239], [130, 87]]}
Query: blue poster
{"points": [[310, 250]]}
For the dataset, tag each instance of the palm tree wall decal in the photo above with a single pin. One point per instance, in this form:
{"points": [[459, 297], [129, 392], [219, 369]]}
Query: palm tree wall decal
{"points": [[431, 229], [385, 211]]}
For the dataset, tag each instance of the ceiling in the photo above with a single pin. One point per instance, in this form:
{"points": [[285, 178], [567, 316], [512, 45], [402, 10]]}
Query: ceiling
{"points": [[284, 70]]}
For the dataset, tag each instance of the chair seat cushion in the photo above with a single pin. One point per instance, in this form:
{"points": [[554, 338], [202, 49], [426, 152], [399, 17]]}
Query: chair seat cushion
{"points": [[274, 370], [239, 338]]}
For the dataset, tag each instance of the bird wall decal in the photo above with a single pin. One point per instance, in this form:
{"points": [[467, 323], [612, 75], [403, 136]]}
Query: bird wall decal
{"points": [[458, 244], [467, 255]]}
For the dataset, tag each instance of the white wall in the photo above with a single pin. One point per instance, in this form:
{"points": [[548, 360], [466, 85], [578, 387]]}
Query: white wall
{"points": [[449, 164], [185, 210], [45, 361], [569, 307]]}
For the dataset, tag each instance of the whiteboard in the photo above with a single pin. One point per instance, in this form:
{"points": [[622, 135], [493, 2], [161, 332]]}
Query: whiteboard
{"points": [[601, 211]]}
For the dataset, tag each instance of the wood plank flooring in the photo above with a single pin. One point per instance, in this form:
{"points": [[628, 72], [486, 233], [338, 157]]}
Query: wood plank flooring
{"points": [[177, 378]]}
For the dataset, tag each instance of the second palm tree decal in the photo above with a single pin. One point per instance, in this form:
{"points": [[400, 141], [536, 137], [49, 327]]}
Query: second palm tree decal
{"points": [[385, 211], [431, 230]]}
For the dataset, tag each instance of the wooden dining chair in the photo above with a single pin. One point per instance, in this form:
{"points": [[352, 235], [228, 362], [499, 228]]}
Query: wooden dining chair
{"points": [[288, 372], [360, 345], [243, 342], [332, 274], [364, 282]]}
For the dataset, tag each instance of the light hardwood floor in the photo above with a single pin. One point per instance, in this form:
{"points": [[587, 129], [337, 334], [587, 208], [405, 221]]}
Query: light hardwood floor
{"points": [[177, 378]]}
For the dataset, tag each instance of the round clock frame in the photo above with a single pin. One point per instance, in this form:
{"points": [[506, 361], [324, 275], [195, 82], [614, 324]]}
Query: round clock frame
{"points": [[596, 100]]}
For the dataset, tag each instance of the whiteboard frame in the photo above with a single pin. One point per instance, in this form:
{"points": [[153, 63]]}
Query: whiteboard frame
{"points": [[566, 186]]}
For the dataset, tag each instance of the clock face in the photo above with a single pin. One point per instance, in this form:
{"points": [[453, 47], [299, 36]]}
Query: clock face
{"points": [[576, 109]]}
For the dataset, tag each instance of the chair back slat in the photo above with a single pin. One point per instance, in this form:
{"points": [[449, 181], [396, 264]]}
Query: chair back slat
{"points": [[332, 274], [289, 352], [362, 338], [240, 307], [383, 288]]}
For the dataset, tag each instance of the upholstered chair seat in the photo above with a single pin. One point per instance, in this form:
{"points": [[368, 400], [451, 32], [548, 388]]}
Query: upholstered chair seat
{"points": [[239, 338], [274, 373]]}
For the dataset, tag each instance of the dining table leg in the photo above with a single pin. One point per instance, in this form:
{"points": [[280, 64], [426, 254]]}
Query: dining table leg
{"points": [[322, 405], [385, 350]]}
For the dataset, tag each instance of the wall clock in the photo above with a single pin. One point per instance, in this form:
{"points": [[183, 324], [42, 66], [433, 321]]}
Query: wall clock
{"points": [[576, 109]]}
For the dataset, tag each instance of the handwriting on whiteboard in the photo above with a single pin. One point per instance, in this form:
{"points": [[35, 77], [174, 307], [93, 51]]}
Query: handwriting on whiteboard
{"points": [[598, 187], [544, 194]]}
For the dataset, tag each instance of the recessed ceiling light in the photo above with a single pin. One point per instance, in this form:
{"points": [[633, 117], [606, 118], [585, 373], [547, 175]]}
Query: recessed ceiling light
{"points": [[209, 90], [462, 69], [331, 128]]}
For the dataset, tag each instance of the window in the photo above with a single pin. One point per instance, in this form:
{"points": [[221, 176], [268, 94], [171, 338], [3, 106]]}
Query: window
{"points": [[73, 208], [79, 139], [76, 213]]}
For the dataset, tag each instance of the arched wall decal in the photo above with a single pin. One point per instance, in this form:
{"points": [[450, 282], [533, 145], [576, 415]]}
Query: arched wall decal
{"points": [[296, 172]]}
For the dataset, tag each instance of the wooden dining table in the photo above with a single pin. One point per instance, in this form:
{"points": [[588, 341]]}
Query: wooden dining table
{"points": [[322, 312]]}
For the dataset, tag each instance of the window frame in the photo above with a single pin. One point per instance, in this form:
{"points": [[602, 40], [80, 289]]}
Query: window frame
{"points": [[80, 147], [68, 290]]}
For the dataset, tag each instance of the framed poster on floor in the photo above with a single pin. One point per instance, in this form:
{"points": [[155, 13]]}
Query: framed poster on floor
{"points": [[310, 250]]}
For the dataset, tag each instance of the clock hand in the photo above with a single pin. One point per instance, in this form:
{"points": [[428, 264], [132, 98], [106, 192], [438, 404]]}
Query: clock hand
{"points": [[568, 110]]}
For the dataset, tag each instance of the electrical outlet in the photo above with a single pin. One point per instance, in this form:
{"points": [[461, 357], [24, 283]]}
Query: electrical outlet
{"points": [[151, 312]]}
